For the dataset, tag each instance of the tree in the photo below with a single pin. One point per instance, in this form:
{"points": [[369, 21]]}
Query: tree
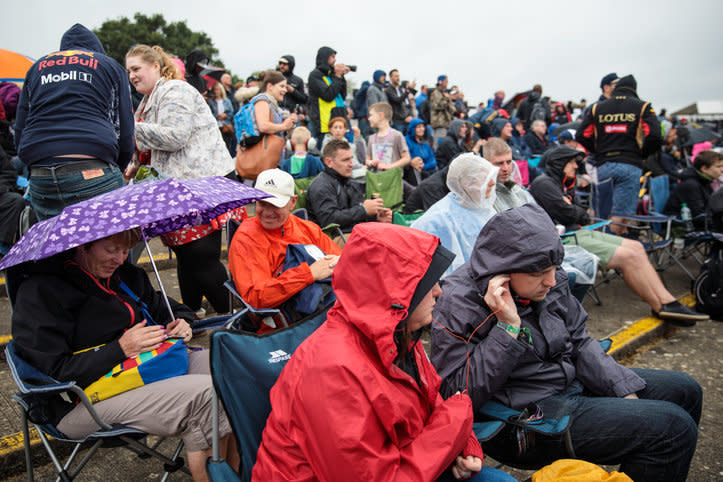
{"points": [[118, 36]]}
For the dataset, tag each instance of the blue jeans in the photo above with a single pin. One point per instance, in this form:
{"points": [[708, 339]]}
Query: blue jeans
{"points": [[487, 474], [653, 439], [50, 194], [626, 184]]}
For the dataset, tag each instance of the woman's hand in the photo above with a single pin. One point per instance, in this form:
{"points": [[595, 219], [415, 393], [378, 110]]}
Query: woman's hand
{"points": [[221, 116], [140, 338], [463, 468], [180, 328], [131, 169], [290, 121]]}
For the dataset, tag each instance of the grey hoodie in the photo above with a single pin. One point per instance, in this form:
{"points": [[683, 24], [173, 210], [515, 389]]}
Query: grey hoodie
{"points": [[510, 370]]}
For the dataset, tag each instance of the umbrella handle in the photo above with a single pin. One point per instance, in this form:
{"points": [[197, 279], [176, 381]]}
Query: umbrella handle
{"points": [[158, 277]]}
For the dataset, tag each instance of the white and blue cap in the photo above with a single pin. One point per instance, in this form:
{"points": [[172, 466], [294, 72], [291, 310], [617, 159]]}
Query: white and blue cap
{"points": [[278, 183]]}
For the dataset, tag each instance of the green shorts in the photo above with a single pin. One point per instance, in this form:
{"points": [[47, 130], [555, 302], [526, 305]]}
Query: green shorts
{"points": [[602, 245]]}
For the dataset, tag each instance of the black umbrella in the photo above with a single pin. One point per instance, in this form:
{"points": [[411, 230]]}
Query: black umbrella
{"points": [[212, 75], [574, 125], [702, 134], [514, 102]]}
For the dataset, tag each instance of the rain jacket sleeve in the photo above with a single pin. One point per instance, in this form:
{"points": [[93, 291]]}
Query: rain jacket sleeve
{"points": [[318, 87], [359, 447], [492, 357], [597, 371], [174, 121], [45, 337]]}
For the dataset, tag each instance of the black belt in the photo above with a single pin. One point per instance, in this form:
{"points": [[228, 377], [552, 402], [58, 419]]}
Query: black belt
{"points": [[69, 168]]}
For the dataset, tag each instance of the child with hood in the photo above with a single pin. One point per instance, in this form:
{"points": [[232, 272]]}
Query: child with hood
{"points": [[420, 145]]}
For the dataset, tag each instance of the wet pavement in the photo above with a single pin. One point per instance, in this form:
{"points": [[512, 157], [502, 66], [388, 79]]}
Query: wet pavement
{"points": [[695, 350]]}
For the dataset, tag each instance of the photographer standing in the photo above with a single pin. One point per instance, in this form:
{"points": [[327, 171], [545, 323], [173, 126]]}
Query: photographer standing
{"points": [[327, 91]]}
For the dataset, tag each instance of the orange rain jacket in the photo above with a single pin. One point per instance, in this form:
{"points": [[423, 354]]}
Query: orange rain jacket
{"points": [[256, 260]]}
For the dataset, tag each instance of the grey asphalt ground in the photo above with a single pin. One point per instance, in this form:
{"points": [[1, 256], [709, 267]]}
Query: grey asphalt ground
{"points": [[696, 351]]}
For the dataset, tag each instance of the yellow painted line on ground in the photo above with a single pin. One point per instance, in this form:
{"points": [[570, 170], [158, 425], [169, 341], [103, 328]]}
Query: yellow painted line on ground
{"points": [[14, 442], [626, 335]]}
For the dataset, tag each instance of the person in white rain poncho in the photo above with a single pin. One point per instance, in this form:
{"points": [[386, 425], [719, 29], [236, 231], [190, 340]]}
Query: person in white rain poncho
{"points": [[459, 216]]}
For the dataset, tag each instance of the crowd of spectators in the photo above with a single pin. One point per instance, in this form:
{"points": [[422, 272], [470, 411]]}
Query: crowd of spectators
{"points": [[490, 183]]}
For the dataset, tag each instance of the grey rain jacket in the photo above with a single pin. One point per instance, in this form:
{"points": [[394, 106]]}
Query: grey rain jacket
{"points": [[511, 370]]}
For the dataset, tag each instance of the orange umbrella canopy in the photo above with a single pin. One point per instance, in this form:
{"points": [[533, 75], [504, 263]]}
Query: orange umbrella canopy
{"points": [[13, 66]]}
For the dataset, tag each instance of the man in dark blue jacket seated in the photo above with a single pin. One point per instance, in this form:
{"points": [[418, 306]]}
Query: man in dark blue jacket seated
{"points": [[520, 338]]}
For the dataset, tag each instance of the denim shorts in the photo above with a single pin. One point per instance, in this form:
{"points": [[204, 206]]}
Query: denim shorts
{"points": [[626, 185]]}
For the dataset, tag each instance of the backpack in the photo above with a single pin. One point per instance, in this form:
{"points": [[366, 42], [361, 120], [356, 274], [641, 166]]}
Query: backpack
{"points": [[247, 132], [708, 286], [539, 112]]}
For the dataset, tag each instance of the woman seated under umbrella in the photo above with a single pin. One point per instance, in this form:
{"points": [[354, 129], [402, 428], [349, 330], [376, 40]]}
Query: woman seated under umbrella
{"points": [[74, 321]]}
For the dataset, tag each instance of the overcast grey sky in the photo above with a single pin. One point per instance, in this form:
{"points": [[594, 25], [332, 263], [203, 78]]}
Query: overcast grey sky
{"points": [[673, 48]]}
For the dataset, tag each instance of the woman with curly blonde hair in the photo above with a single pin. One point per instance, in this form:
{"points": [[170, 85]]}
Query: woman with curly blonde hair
{"points": [[178, 134]]}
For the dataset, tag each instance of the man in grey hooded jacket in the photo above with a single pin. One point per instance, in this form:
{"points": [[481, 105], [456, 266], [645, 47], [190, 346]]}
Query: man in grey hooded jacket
{"points": [[528, 344]]}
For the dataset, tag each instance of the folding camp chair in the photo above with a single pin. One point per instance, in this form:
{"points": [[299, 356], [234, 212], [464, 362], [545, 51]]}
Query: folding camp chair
{"points": [[520, 428], [657, 246], [36, 390], [244, 367]]}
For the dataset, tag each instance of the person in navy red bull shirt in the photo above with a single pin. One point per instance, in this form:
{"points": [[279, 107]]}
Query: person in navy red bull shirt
{"points": [[74, 126]]}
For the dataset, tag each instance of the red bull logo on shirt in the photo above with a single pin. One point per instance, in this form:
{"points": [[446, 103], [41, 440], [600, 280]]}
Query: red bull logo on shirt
{"points": [[69, 57]]}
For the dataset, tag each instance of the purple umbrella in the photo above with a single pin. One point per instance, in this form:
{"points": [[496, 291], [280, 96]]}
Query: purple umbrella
{"points": [[156, 207]]}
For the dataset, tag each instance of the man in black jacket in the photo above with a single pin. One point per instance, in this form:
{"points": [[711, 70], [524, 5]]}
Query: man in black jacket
{"points": [[451, 145], [621, 132], [398, 97], [327, 89], [295, 94], [554, 191], [333, 197]]}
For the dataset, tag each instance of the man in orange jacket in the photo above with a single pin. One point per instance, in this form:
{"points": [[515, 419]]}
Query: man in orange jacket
{"points": [[258, 250]]}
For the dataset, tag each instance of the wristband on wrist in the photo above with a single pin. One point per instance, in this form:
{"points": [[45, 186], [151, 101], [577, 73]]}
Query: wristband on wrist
{"points": [[512, 330]]}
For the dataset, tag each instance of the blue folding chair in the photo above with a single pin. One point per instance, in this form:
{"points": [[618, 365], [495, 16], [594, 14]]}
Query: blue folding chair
{"points": [[35, 392], [244, 366], [521, 428]]}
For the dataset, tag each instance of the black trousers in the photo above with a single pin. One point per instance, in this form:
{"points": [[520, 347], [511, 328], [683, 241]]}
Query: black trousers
{"points": [[201, 273]]}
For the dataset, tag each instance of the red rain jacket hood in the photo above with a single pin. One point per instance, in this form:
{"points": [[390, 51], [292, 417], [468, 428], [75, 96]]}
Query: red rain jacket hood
{"points": [[341, 409]]}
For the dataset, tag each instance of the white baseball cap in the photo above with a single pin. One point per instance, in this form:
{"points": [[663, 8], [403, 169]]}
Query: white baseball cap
{"points": [[278, 183]]}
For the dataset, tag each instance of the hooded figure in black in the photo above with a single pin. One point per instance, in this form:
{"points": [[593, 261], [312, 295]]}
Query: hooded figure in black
{"points": [[321, 93], [451, 146], [555, 190], [296, 97], [195, 62]]}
